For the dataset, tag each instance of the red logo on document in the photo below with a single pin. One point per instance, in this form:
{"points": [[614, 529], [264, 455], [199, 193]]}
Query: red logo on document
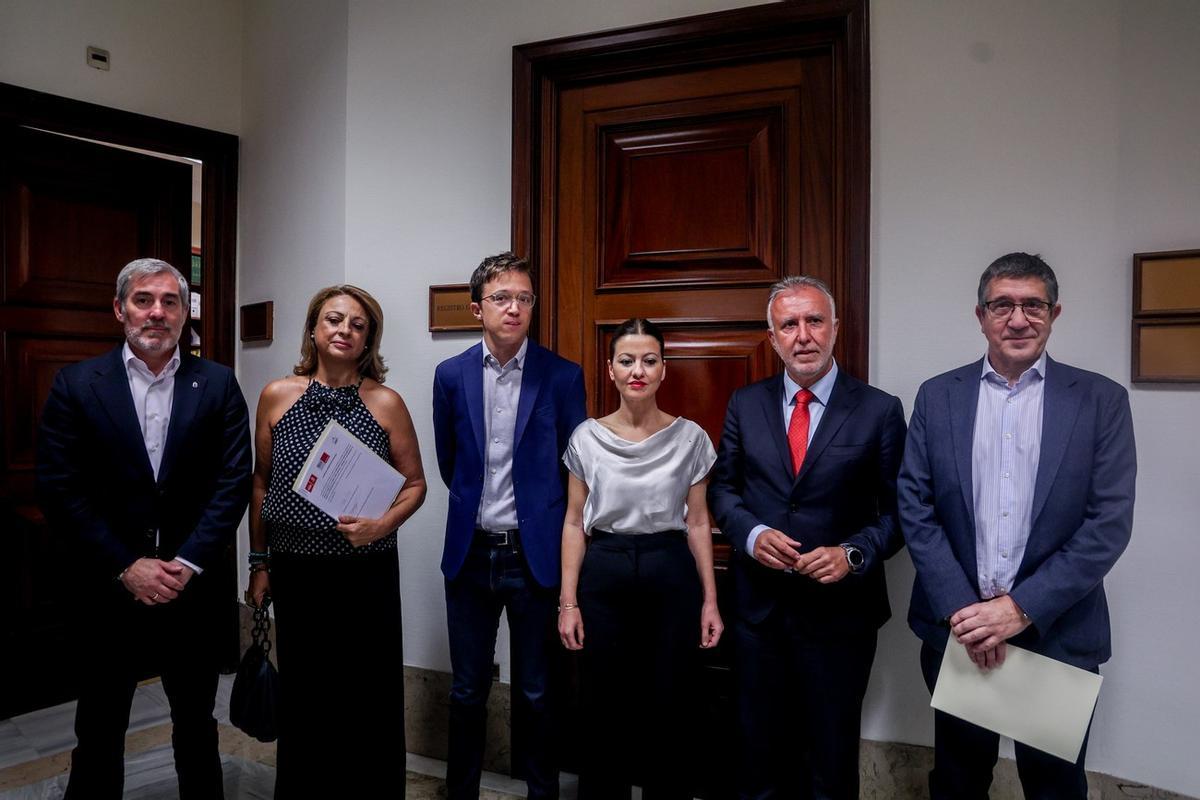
{"points": [[324, 457], [312, 481]]}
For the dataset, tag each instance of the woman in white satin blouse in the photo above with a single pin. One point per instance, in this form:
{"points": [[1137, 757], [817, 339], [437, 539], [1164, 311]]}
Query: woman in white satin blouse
{"points": [[638, 593]]}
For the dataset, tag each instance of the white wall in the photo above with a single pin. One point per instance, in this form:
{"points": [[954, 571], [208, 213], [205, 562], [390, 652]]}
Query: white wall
{"points": [[292, 200], [174, 59], [1069, 129]]}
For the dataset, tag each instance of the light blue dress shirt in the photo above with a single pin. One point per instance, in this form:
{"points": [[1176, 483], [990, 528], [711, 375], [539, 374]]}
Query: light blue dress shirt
{"points": [[501, 394], [1005, 451]]}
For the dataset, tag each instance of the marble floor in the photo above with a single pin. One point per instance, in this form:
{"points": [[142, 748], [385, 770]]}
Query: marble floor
{"points": [[35, 752]]}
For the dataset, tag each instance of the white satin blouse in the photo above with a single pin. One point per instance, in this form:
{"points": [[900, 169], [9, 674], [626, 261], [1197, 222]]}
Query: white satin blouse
{"points": [[638, 487]]}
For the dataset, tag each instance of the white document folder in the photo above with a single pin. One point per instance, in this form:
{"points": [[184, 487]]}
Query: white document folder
{"points": [[342, 476], [1033, 699]]}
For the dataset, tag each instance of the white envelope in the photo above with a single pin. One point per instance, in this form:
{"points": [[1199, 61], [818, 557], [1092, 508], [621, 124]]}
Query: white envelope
{"points": [[1033, 699]]}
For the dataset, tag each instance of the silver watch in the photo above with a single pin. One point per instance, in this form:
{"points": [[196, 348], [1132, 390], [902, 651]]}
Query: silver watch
{"points": [[854, 558]]}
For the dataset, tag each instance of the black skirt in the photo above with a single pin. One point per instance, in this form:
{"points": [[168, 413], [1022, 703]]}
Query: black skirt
{"points": [[341, 673]]}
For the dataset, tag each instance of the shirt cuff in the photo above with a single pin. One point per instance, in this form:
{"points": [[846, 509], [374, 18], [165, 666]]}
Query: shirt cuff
{"points": [[753, 537], [189, 565]]}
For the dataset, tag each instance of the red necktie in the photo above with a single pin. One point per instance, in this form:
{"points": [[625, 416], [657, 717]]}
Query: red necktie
{"points": [[798, 429]]}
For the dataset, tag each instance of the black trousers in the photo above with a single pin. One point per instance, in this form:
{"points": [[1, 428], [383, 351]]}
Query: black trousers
{"points": [[121, 641], [496, 578], [799, 707], [640, 598], [964, 756], [341, 675]]}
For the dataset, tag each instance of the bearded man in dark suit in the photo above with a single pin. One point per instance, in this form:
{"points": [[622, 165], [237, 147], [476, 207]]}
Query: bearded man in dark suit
{"points": [[144, 468]]}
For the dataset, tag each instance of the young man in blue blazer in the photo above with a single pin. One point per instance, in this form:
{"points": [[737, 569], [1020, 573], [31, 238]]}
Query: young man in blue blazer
{"points": [[1016, 499], [503, 411]]}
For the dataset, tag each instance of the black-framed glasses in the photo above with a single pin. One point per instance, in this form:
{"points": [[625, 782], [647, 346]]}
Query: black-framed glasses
{"points": [[1032, 309], [505, 299]]}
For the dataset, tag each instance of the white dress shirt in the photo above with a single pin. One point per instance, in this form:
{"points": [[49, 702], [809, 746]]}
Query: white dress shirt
{"points": [[153, 396]]}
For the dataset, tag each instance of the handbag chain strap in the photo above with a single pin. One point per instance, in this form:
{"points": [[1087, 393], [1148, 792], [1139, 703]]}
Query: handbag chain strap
{"points": [[260, 633]]}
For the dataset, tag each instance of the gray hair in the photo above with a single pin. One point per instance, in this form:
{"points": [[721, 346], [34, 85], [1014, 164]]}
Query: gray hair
{"points": [[793, 282], [1019, 265], [140, 268]]}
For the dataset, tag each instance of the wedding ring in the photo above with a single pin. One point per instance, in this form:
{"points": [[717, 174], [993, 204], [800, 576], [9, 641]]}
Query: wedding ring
{"points": [[154, 596]]}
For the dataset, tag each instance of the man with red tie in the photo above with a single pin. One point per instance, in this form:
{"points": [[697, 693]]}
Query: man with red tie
{"points": [[805, 489]]}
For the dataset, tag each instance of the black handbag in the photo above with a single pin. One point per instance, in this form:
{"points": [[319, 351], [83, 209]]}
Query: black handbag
{"points": [[254, 701]]}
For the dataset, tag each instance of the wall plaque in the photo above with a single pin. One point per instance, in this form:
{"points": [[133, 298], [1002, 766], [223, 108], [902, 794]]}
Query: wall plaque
{"points": [[1166, 317], [450, 308]]}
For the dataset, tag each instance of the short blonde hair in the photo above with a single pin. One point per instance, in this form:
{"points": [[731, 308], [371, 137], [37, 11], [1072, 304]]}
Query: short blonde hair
{"points": [[370, 363]]}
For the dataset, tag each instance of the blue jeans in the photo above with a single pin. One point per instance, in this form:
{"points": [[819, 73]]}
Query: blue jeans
{"points": [[492, 579]]}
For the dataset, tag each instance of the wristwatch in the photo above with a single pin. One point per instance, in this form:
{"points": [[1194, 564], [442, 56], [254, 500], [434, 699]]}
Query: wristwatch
{"points": [[854, 557]]}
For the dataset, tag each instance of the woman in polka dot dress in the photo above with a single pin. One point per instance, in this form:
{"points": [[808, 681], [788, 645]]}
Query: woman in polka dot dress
{"points": [[334, 582]]}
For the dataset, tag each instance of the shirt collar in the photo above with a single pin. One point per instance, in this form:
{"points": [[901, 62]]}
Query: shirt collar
{"points": [[133, 362], [821, 389], [519, 357], [1038, 370]]}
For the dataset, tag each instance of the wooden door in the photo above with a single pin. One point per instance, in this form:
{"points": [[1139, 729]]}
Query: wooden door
{"points": [[681, 198], [675, 171], [72, 214]]}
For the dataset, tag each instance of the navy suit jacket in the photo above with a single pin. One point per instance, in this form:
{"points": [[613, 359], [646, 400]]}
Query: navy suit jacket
{"points": [[1081, 519], [845, 493], [552, 404], [95, 482]]}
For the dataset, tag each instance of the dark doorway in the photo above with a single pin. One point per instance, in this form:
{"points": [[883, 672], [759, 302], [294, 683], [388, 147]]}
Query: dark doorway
{"points": [[73, 212]]}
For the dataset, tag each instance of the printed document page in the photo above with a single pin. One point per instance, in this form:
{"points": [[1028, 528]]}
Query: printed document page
{"points": [[342, 476]]}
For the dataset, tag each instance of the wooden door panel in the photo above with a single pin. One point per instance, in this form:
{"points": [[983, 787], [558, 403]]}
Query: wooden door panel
{"points": [[32, 362], [75, 212], [683, 199], [692, 201]]}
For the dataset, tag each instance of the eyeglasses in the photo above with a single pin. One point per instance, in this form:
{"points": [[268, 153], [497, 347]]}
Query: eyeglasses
{"points": [[505, 299], [1032, 309]]}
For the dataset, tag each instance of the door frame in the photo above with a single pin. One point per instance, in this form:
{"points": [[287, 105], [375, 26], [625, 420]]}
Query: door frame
{"points": [[541, 71], [219, 181]]}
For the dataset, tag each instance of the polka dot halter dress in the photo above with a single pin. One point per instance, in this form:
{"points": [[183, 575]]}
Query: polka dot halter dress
{"points": [[295, 525]]}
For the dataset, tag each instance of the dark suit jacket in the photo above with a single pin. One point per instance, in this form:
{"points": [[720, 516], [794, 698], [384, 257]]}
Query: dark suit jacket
{"points": [[1082, 510], [97, 487], [552, 404], [845, 493]]}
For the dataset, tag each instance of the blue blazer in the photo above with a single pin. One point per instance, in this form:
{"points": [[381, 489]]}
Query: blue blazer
{"points": [[95, 482], [552, 404], [1081, 519], [845, 493]]}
